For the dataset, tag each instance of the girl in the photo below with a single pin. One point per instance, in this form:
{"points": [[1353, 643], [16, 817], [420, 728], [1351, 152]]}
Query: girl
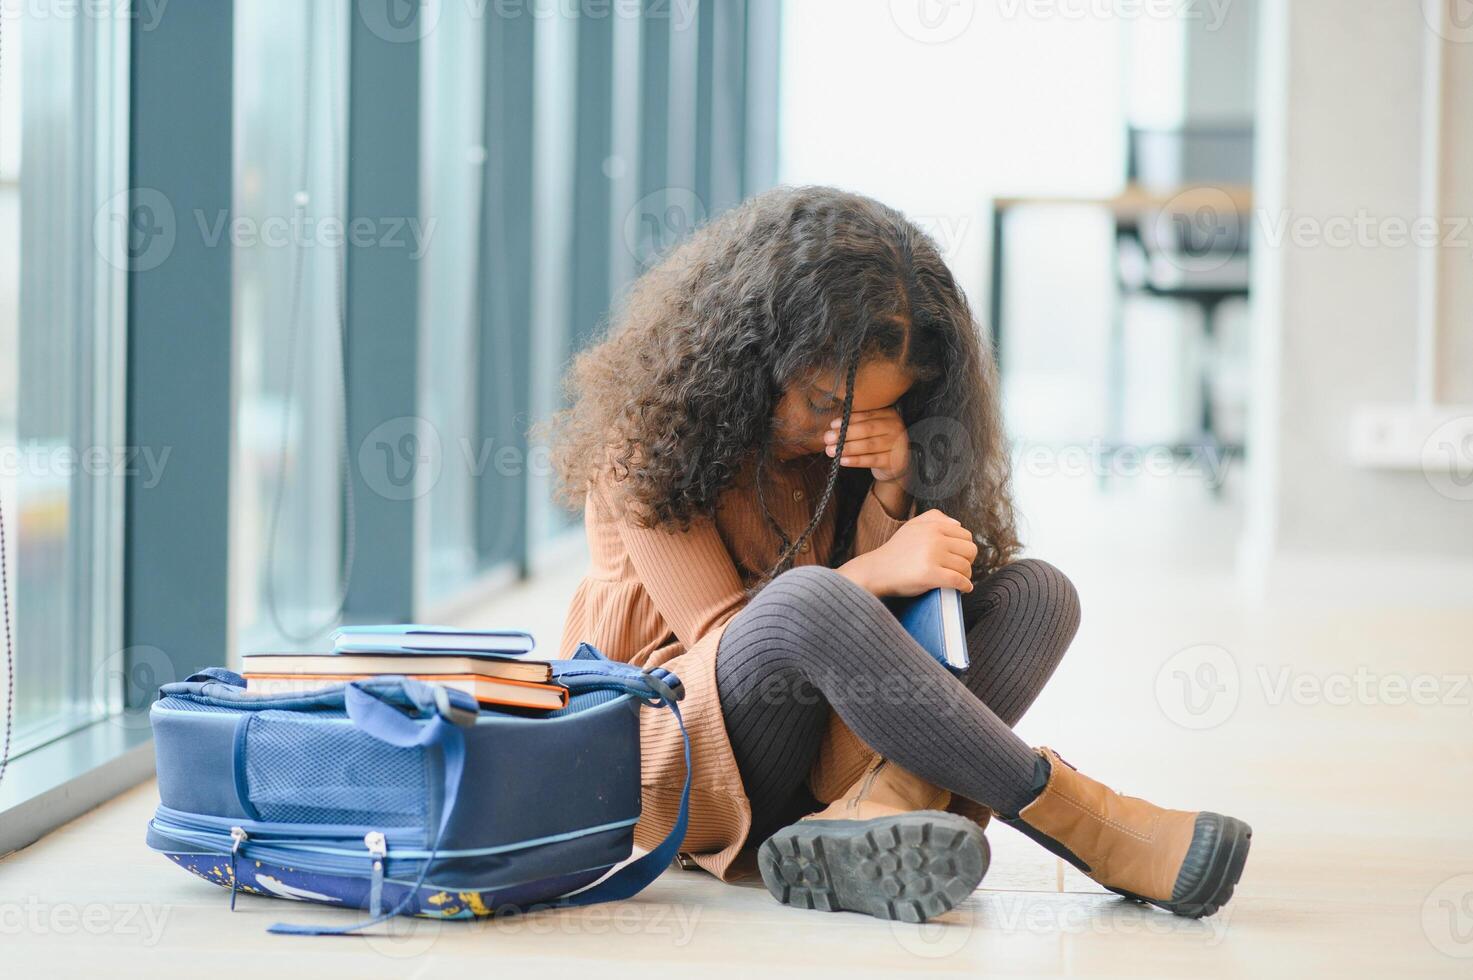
{"points": [[742, 445]]}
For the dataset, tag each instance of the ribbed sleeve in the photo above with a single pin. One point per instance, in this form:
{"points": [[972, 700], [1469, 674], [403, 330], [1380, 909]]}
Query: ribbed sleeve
{"points": [[875, 526], [688, 574]]}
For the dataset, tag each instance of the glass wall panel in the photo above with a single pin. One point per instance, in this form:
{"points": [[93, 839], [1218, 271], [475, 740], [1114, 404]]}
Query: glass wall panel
{"points": [[452, 168], [65, 245], [291, 509]]}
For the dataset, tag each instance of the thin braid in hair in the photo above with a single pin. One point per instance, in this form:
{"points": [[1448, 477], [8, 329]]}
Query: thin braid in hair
{"points": [[785, 559], [763, 453]]}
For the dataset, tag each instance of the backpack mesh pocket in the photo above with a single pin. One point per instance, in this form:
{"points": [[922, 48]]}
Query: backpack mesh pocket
{"points": [[301, 769]]}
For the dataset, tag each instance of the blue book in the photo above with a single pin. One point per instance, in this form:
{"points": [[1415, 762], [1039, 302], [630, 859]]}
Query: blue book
{"points": [[414, 638], [934, 619]]}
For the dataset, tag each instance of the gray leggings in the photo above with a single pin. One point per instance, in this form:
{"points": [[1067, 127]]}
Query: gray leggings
{"points": [[812, 641]]}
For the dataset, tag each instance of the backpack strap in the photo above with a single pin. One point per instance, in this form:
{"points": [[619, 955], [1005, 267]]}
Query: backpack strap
{"points": [[374, 716], [635, 876]]}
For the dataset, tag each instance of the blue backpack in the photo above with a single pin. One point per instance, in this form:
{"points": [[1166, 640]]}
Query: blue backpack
{"points": [[407, 798]]}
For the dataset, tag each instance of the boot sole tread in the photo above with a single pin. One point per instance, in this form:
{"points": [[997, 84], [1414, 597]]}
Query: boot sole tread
{"points": [[911, 867]]}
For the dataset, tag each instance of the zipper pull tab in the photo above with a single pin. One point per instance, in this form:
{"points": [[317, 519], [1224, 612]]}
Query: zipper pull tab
{"points": [[378, 849], [238, 836]]}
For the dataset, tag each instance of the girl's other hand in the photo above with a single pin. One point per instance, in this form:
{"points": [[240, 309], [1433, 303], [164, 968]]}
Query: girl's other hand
{"points": [[929, 551], [876, 440]]}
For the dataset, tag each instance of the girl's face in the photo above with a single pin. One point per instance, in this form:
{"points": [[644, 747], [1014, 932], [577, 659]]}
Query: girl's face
{"points": [[809, 407]]}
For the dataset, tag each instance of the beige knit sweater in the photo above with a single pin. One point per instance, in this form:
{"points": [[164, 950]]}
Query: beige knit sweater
{"points": [[661, 598]]}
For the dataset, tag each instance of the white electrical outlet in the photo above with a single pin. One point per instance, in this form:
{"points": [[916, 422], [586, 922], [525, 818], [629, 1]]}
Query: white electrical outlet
{"points": [[1437, 438]]}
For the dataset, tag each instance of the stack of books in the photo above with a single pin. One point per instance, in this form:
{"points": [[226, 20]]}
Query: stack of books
{"points": [[489, 665]]}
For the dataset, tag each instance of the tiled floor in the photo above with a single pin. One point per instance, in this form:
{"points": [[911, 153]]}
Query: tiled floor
{"points": [[1339, 730]]}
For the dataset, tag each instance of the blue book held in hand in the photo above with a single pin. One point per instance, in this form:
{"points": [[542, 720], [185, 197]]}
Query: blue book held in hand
{"points": [[934, 620]]}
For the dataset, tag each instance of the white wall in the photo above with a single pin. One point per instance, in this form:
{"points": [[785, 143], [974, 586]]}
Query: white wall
{"points": [[1335, 324]]}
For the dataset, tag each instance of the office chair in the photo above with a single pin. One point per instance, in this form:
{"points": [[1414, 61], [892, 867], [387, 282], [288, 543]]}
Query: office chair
{"points": [[1193, 250]]}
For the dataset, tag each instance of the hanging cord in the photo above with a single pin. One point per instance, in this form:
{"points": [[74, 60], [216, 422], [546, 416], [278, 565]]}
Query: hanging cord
{"points": [[5, 570], [790, 548], [340, 350], [9, 647]]}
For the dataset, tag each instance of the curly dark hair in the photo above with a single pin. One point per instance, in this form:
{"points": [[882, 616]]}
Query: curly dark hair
{"points": [[671, 406]]}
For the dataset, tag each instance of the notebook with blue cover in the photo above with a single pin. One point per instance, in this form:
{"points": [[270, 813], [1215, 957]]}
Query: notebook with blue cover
{"points": [[413, 637], [934, 620]]}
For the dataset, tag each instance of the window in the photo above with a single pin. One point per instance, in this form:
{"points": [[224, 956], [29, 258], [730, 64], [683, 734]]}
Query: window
{"points": [[290, 508], [64, 249], [452, 168]]}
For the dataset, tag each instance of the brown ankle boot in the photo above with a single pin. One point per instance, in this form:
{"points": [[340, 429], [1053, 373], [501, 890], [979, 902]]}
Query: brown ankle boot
{"points": [[1186, 863], [885, 848]]}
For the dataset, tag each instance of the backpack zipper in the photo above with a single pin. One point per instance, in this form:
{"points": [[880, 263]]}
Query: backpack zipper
{"points": [[237, 838], [378, 850], [325, 850]]}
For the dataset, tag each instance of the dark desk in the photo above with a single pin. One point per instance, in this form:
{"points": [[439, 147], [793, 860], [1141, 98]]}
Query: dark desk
{"points": [[1133, 206]]}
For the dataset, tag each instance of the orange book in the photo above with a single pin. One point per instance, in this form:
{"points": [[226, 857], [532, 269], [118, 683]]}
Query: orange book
{"points": [[486, 690]]}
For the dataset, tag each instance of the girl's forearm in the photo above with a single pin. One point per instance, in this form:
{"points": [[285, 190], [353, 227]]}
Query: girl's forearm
{"points": [[893, 498], [859, 570]]}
